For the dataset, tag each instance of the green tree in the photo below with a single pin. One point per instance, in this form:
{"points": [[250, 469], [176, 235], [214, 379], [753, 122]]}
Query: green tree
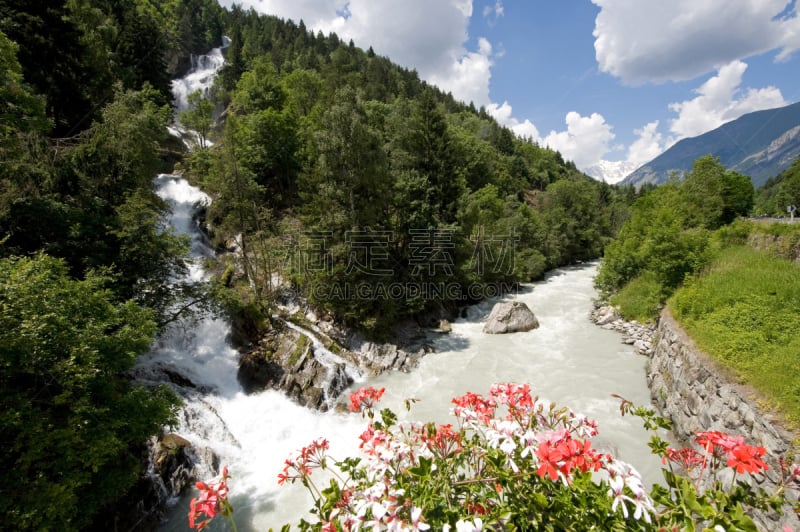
{"points": [[430, 151], [572, 213], [780, 192], [714, 196], [199, 117], [52, 56], [269, 151], [72, 426]]}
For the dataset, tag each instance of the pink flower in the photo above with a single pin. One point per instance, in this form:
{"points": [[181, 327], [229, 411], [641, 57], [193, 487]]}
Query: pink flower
{"points": [[213, 499]]}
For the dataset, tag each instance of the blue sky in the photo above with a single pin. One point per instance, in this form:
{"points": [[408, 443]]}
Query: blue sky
{"points": [[609, 83]]}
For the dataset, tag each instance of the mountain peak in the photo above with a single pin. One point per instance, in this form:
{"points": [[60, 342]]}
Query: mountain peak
{"points": [[760, 144], [610, 171]]}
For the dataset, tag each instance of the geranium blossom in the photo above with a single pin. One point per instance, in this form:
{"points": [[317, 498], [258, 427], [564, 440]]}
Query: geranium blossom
{"points": [[365, 398], [213, 499], [303, 462]]}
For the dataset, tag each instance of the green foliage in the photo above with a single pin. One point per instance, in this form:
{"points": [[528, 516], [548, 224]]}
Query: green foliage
{"points": [[199, 117], [743, 312], [72, 425], [21, 111], [779, 192], [713, 196], [119, 153], [668, 237], [640, 299]]}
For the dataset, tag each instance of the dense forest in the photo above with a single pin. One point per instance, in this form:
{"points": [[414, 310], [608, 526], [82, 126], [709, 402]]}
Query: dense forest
{"points": [[333, 172], [85, 263]]}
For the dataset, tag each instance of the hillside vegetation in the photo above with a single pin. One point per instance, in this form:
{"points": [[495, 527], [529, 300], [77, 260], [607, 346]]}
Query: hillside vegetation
{"points": [[734, 285], [670, 235], [743, 311]]}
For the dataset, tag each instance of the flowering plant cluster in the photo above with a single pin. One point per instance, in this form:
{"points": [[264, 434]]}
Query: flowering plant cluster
{"points": [[514, 462], [213, 500]]}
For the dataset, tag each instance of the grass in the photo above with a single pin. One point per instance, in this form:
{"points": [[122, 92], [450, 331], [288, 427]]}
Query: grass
{"points": [[744, 311], [640, 299]]}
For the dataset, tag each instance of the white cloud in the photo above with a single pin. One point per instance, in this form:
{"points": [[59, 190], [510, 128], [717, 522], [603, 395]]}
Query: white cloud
{"points": [[647, 146], [653, 41], [720, 100], [467, 77], [502, 113], [585, 141], [316, 14]]}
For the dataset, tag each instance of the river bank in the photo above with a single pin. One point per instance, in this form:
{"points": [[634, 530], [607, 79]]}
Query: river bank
{"points": [[697, 395]]}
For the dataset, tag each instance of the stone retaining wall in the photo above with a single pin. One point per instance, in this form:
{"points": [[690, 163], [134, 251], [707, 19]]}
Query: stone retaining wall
{"points": [[688, 387]]}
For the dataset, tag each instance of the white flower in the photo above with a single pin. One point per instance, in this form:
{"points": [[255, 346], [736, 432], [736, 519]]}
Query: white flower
{"points": [[469, 526]]}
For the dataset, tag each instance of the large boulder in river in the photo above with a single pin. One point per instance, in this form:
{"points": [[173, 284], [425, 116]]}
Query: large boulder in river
{"points": [[509, 317]]}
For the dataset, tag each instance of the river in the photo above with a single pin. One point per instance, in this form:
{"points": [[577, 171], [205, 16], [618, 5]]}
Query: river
{"points": [[567, 359]]}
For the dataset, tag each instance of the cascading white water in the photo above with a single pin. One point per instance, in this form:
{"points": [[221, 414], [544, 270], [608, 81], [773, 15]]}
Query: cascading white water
{"points": [[567, 360], [200, 77]]}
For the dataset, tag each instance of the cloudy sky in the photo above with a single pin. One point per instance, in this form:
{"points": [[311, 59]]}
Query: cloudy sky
{"points": [[600, 80]]}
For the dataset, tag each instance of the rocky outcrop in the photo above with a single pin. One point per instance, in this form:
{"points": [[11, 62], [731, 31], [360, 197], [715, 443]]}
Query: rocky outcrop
{"points": [[313, 360], [510, 317], [172, 466], [690, 389], [286, 359], [786, 246]]}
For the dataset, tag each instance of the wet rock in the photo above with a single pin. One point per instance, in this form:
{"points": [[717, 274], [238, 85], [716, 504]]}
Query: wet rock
{"points": [[510, 317]]}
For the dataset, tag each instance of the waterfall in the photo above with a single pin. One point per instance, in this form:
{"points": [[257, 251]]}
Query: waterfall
{"points": [[200, 77]]}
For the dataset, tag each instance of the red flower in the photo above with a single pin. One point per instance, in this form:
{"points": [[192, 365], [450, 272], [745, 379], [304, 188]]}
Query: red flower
{"points": [[473, 405], [687, 458], [747, 458], [714, 441], [213, 499], [304, 461], [366, 397], [549, 457], [444, 440]]}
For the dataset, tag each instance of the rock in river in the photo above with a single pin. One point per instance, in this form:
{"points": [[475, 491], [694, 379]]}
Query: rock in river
{"points": [[509, 317]]}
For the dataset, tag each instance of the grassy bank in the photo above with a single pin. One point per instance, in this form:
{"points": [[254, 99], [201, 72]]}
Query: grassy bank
{"points": [[744, 311]]}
